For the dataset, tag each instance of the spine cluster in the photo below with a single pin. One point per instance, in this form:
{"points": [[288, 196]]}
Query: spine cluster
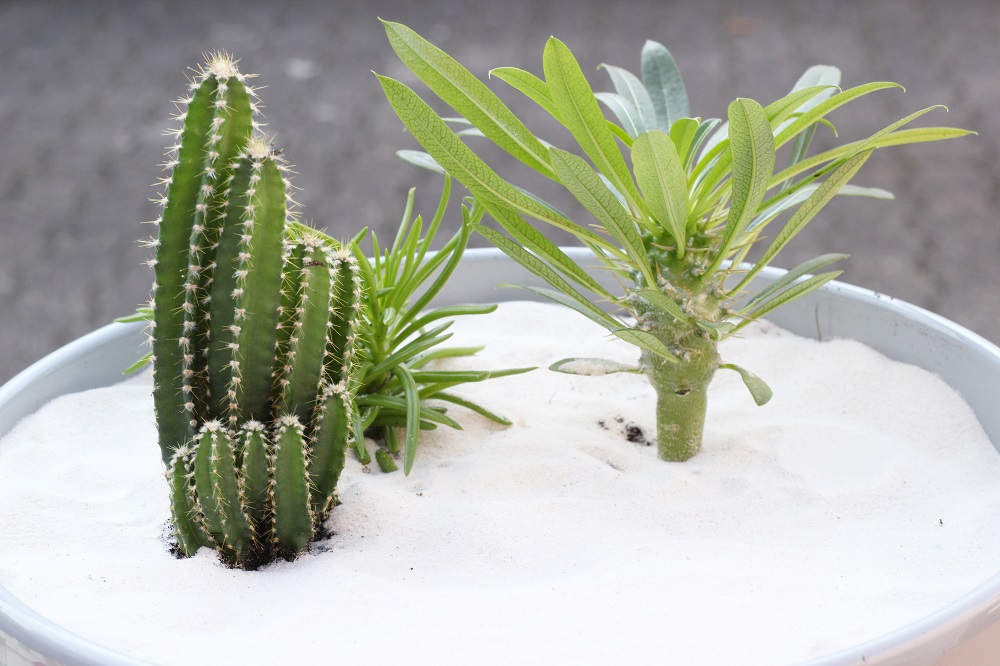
{"points": [[253, 332]]}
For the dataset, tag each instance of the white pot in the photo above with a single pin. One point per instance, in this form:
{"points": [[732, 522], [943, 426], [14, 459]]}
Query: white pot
{"points": [[960, 633]]}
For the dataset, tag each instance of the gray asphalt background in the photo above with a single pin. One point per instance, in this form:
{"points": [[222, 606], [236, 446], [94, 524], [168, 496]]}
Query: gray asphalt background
{"points": [[85, 90]]}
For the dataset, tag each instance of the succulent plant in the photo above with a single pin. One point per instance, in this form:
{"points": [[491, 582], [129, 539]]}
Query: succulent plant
{"points": [[400, 337], [676, 215], [276, 347], [254, 322]]}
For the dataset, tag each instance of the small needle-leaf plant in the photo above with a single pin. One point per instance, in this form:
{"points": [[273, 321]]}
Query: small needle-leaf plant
{"points": [[275, 346], [677, 202], [400, 338]]}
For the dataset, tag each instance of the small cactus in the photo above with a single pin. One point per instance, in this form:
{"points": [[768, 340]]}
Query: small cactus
{"points": [[254, 325]]}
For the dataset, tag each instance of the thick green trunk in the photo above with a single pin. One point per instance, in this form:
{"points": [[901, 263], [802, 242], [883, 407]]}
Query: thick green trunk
{"points": [[681, 389]]}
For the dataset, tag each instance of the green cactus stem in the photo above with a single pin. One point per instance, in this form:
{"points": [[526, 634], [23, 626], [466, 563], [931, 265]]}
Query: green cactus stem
{"points": [[275, 346], [254, 326], [217, 120]]}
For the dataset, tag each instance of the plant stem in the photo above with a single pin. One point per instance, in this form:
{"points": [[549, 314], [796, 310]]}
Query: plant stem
{"points": [[681, 386]]}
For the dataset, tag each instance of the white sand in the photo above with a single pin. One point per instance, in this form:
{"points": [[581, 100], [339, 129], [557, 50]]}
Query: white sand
{"points": [[862, 498]]}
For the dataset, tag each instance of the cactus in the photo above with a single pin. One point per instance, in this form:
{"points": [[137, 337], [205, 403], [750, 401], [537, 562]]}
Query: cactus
{"points": [[276, 347], [254, 327]]}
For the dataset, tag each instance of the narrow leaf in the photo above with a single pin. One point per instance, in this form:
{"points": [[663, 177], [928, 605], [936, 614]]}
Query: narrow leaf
{"points": [[631, 88], [592, 367], [663, 181], [795, 292], [805, 268], [138, 365], [897, 138], [580, 113], [542, 270], [824, 108], [462, 163], [412, 416], [587, 309], [587, 187], [759, 389], [454, 84], [533, 240], [624, 111], [662, 78], [752, 147], [663, 302], [475, 407], [683, 133], [808, 210], [421, 159], [647, 341], [528, 84]]}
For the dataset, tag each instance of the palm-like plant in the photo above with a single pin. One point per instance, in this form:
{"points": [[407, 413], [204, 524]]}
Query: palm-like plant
{"points": [[677, 214]]}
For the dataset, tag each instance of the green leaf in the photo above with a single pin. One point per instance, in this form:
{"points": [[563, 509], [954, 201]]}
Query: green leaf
{"points": [[138, 365], [662, 79], [752, 147], [897, 138], [444, 352], [542, 270], [662, 302], [581, 115], [663, 181], [817, 75], [630, 88], [805, 268], [874, 138], [531, 239], [683, 133], [391, 406], [437, 314], [420, 159], [452, 254], [412, 399], [717, 329], [584, 307], [647, 341], [716, 162], [921, 135], [529, 85], [384, 458], [824, 108], [475, 407], [759, 389], [454, 84], [794, 104], [141, 314], [422, 343], [780, 205], [592, 367], [705, 127], [624, 111], [463, 164], [795, 292], [587, 187], [808, 210]]}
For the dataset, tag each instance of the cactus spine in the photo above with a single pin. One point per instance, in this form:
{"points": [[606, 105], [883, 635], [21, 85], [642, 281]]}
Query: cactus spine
{"points": [[254, 324]]}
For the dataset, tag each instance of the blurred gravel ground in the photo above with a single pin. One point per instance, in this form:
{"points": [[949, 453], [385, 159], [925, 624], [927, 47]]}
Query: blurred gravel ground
{"points": [[85, 90]]}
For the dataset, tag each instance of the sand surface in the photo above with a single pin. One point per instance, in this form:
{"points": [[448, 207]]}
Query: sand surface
{"points": [[862, 498]]}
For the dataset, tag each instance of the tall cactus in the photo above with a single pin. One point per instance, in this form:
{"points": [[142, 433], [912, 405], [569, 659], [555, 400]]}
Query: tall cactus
{"points": [[254, 325]]}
